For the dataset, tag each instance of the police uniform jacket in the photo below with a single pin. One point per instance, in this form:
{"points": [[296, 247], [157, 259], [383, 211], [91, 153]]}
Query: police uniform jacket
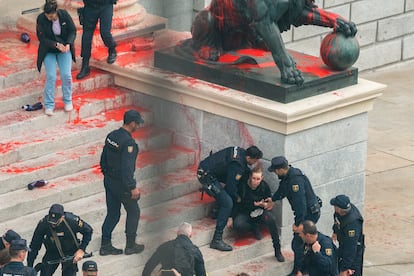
{"points": [[118, 161], [323, 263], [168, 255], [43, 235], [229, 166], [48, 39], [248, 196], [296, 187], [97, 3], [17, 269], [348, 229]]}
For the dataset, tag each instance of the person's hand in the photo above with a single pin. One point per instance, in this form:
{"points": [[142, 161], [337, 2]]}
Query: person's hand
{"points": [[78, 255], [67, 48], [135, 194], [176, 273], [316, 247], [334, 237], [347, 272], [294, 228], [230, 223], [269, 204], [259, 203]]}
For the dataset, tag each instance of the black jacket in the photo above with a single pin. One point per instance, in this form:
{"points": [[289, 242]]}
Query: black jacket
{"points": [[180, 254], [323, 263], [43, 235], [48, 39]]}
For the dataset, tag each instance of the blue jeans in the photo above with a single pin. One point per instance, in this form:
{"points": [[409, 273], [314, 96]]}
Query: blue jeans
{"points": [[64, 61]]}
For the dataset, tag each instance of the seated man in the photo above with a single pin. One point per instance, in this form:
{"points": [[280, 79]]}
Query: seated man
{"points": [[254, 209]]}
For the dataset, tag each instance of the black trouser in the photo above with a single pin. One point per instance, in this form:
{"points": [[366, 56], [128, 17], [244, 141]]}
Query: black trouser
{"points": [[243, 222], [113, 208], [298, 244], [92, 14]]}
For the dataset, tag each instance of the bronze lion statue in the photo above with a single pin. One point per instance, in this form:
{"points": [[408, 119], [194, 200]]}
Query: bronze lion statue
{"points": [[227, 25]]}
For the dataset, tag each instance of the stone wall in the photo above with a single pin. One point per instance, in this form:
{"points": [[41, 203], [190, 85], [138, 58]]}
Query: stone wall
{"points": [[386, 28]]}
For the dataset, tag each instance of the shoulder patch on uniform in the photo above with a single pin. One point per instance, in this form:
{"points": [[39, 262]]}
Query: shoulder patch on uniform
{"points": [[295, 188], [328, 251], [130, 149], [80, 223], [238, 177], [351, 233]]}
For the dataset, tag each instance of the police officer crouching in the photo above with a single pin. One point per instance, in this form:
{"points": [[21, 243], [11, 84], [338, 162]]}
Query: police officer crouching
{"points": [[220, 175], [58, 232], [347, 229]]}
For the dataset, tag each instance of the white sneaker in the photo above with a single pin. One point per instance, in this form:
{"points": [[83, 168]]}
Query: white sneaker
{"points": [[68, 107], [49, 112]]}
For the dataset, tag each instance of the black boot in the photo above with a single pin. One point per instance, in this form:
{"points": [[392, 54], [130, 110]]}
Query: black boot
{"points": [[256, 231], [132, 247], [85, 70], [278, 254], [111, 55], [108, 249], [218, 243]]}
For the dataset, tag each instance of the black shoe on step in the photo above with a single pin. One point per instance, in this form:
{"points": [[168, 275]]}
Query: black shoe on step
{"points": [[109, 250]]}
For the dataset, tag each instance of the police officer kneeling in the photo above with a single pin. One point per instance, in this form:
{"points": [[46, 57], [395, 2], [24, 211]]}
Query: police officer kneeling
{"points": [[220, 174], [18, 250], [58, 232]]}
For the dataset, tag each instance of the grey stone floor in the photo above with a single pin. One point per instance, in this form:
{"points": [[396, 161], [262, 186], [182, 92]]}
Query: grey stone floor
{"points": [[389, 199]]}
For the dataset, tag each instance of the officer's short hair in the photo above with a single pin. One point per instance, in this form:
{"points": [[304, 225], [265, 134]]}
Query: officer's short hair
{"points": [[309, 227], [254, 152], [185, 229]]}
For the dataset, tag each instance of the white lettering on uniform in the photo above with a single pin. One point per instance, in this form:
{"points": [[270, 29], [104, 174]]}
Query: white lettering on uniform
{"points": [[235, 152], [113, 143]]}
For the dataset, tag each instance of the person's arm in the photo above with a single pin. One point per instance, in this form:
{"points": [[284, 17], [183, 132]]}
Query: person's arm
{"points": [[41, 33], [129, 152], [349, 245], [86, 230], [71, 28], [298, 199], [36, 243], [199, 267], [325, 256], [153, 261], [234, 174]]}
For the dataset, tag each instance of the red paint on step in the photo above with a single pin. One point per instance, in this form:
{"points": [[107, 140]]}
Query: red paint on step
{"points": [[23, 169]]}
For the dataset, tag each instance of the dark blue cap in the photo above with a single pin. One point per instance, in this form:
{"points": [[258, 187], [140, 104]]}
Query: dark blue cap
{"points": [[19, 244], [341, 201], [278, 163], [11, 235], [133, 116]]}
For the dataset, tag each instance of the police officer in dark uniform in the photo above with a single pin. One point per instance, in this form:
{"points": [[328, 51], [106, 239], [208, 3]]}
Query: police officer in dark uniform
{"points": [[220, 174], [58, 232], [179, 254], [254, 209], [5, 242], [347, 230], [118, 162], [296, 187], [18, 251], [93, 11], [320, 252]]}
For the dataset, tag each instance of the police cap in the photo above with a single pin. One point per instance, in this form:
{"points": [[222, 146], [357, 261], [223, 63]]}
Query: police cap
{"points": [[11, 235], [341, 201], [90, 266], [19, 244], [278, 163], [55, 213], [133, 116]]}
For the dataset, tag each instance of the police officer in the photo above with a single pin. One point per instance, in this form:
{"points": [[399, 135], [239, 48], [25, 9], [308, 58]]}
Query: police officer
{"points": [[254, 209], [18, 251], [296, 187], [347, 230], [177, 256], [93, 11], [118, 162], [319, 250], [89, 268], [220, 174], [58, 232], [5, 242]]}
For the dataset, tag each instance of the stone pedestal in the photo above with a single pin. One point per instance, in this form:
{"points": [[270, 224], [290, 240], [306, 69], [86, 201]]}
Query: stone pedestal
{"points": [[324, 135]]}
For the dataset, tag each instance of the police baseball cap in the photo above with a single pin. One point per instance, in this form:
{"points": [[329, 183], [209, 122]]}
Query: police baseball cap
{"points": [[278, 163], [341, 201], [55, 213], [11, 235], [133, 116], [90, 266], [19, 244]]}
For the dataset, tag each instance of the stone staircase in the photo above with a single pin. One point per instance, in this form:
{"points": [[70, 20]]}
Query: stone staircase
{"points": [[65, 150]]}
